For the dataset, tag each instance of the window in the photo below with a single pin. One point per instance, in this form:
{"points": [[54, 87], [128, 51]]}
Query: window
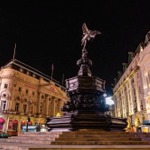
{"points": [[33, 93], [42, 96], [27, 91], [19, 89], [40, 108], [4, 95], [24, 108], [17, 107], [3, 105], [31, 109], [5, 86]]}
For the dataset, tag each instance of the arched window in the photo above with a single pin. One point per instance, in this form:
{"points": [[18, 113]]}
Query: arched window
{"points": [[3, 105]]}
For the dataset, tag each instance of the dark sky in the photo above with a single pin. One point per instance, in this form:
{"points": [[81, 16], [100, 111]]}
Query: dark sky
{"points": [[47, 32]]}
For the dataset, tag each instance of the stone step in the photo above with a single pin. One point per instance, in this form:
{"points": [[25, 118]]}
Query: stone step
{"points": [[99, 143], [32, 138], [87, 137], [78, 140], [104, 134], [100, 139], [21, 146], [29, 141], [98, 135], [89, 148], [40, 133], [52, 132], [7, 146]]}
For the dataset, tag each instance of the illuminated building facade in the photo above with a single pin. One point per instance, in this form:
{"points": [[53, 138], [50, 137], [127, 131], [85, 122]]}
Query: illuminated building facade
{"points": [[132, 87], [27, 94]]}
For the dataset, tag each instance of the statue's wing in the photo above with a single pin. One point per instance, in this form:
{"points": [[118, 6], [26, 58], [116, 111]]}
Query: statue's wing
{"points": [[85, 29], [98, 32]]}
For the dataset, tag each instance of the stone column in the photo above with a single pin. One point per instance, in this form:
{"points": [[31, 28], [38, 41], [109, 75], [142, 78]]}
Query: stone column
{"points": [[47, 104], [39, 102], [53, 106]]}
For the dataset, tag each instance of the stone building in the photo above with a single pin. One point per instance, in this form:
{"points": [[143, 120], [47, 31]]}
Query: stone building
{"points": [[27, 94], [132, 88]]}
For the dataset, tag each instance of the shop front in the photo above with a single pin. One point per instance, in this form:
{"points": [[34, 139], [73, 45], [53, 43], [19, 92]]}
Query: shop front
{"points": [[12, 124], [146, 126], [2, 121]]}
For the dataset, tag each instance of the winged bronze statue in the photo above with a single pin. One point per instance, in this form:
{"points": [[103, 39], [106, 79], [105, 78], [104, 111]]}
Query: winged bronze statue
{"points": [[87, 35]]}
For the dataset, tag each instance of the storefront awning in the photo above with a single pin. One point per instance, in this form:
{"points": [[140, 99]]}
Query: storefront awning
{"points": [[2, 120], [15, 121]]}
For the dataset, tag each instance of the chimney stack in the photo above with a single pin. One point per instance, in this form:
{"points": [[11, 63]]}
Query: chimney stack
{"points": [[124, 66], [119, 74], [130, 56]]}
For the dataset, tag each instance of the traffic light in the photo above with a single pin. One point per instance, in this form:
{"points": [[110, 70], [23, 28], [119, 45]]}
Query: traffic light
{"points": [[28, 119]]}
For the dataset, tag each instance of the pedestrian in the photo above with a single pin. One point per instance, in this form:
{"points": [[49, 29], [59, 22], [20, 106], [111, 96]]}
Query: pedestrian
{"points": [[38, 127]]}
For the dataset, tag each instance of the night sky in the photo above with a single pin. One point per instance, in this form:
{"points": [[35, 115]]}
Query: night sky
{"points": [[50, 32]]}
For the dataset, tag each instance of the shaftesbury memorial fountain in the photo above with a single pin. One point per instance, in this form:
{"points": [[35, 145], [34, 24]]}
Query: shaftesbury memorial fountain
{"points": [[86, 108]]}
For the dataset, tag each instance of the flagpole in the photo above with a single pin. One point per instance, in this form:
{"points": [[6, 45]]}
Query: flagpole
{"points": [[52, 71], [14, 52], [63, 79]]}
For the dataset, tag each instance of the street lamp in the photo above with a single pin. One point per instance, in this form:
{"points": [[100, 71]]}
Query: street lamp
{"points": [[28, 118]]}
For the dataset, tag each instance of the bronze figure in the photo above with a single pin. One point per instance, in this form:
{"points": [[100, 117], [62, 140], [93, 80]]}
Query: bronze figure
{"points": [[87, 34]]}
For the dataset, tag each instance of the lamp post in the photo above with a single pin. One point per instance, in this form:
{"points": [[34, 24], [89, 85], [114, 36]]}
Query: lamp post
{"points": [[27, 125], [28, 118]]}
